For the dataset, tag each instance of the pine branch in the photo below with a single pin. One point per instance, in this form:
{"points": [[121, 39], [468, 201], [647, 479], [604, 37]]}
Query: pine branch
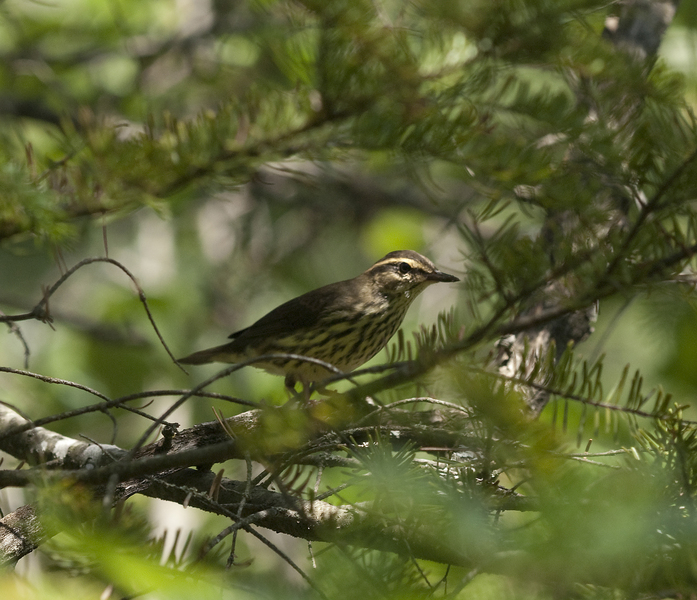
{"points": [[638, 31]]}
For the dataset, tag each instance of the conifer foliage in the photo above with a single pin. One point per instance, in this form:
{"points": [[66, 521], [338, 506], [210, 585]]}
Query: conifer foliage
{"points": [[170, 171]]}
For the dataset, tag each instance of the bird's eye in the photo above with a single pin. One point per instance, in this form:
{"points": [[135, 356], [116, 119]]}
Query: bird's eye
{"points": [[404, 268]]}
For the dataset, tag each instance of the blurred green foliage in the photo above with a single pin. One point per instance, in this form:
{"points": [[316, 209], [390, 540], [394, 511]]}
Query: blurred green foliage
{"points": [[233, 155]]}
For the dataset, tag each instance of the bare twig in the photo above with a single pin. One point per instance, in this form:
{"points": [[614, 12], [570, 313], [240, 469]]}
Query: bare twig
{"points": [[117, 402], [54, 380], [40, 311], [17, 332], [224, 373]]}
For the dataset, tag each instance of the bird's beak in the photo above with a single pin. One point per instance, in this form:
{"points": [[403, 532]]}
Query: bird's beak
{"points": [[440, 276]]}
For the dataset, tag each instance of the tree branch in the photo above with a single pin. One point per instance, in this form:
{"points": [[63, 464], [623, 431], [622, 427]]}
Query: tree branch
{"points": [[637, 32], [21, 532], [161, 470]]}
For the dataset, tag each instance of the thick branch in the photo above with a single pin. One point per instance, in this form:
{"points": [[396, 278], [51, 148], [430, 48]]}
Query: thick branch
{"points": [[640, 27], [41, 446], [159, 470], [21, 532], [209, 443]]}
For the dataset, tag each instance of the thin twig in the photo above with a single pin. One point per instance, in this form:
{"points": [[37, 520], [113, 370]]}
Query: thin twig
{"points": [[650, 207], [98, 407], [577, 398], [246, 525], [40, 311], [245, 498], [117, 402], [55, 380], [224, 373], [16, 331]]}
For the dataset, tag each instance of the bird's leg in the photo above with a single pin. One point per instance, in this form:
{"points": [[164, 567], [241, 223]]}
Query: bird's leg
{"points": [[325, 391], [306, 389], [289, 383]]}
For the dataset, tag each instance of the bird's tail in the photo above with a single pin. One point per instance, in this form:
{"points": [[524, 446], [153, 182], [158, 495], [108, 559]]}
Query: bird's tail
{"points": [[217, 354]]}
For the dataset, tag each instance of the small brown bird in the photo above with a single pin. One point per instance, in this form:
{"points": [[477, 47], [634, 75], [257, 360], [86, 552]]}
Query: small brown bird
{"points": [[344, 324]]}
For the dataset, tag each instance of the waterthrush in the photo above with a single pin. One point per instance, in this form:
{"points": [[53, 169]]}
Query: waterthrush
{"points": [[344, 324]]}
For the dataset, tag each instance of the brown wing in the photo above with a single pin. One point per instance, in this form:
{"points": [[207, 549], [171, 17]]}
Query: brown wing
{"points": [[299, 313], [296, 314]]}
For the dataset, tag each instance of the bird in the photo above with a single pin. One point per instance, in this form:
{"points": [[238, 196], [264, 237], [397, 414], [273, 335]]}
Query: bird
{"points": [[343, 324]]}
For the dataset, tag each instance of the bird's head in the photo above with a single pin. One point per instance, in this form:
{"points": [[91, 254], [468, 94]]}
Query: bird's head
{"points": [[405, 272]]}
